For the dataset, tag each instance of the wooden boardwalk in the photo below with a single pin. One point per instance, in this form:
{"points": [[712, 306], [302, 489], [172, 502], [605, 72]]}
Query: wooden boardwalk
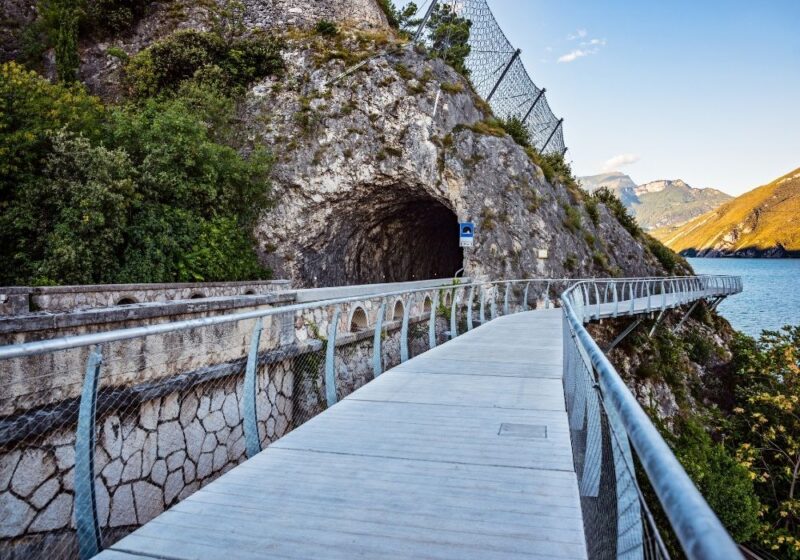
{"points": [[461, 453]]}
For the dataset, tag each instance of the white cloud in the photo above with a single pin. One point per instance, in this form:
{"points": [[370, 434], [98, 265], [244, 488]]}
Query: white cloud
{"points": [[620, 160], [594, 43], [579, 34], [575, 55]]}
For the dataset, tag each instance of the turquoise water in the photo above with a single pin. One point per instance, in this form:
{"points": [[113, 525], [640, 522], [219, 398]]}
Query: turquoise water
{"points": [[771, 296]]}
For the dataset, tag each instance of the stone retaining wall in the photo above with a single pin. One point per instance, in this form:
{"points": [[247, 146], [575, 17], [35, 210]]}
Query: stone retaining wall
{"points": [[163, 431]]}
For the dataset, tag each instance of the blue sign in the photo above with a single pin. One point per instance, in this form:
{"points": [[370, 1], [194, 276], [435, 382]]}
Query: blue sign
{"points": [[466, 234]]}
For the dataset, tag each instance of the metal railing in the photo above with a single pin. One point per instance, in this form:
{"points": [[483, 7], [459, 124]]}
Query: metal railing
{"points": [[609, 428], [101, 432]]}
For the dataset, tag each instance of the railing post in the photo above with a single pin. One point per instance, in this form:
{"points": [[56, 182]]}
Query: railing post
{"points": [[432, 322], [87, 526], [482, 314], [616, 298], [470, 301], [377, 356], [404, 330], [663, 296], [505, 299], [597, 297], [547, 296], [249, 390], [330, 360], [493, 304], [525, 297], [453, 318]]}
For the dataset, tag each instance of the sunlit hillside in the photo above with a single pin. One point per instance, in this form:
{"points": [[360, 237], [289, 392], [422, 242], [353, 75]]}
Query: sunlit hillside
{"points": [[762, 222]]}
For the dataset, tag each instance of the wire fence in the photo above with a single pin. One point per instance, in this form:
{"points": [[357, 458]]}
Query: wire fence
{"points": [[500, 78], [101, 433], [612, 438]]}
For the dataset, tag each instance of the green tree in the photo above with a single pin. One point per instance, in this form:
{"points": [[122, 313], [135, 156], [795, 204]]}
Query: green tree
{"points": [[766, 428], [449, 35]]}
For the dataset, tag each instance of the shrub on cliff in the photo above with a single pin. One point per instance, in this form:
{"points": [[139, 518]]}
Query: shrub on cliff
{"points": [[228, 66], [615, 206], [138, 193]]}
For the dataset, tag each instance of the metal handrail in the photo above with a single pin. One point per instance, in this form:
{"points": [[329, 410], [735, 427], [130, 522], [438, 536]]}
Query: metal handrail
{"points": [[76, 341], [700, 533]]}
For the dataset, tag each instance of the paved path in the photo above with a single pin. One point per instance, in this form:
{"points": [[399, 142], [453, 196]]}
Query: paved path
{"points": [[461, 453]]}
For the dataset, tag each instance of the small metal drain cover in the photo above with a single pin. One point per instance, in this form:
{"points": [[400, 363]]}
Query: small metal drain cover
{"points": [[523, 430]]}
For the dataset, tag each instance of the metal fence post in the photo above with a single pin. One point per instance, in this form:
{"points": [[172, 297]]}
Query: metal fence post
{"points": [[505, 299], [453, 310], [330, 357], [470, 301], [493, 306], [86, 523], [404, 331], [252, 441], [432, 322], [482, 314], [525, 297], [377, 358]]}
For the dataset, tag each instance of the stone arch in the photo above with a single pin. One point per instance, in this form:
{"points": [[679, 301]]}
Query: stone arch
{"points": [[197, 295], [377, 233], [250, 292], [358, 320], [126, 300], [397, 310]]}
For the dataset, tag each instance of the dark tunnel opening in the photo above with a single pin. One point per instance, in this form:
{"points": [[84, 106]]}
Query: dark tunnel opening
{"points": [[394, 240], [416, 241]]}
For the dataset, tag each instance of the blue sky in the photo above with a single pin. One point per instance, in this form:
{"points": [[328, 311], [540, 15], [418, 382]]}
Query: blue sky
{"points": [[706, 91]]}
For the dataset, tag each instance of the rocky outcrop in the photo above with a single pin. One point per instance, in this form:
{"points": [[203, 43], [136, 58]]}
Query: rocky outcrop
{"points": [[374, 171]]}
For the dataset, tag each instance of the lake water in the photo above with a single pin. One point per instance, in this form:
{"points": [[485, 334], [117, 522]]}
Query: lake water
{"points": [[771, 296]]}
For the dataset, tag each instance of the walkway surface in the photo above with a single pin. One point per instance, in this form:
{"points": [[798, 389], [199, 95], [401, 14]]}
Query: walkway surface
{"points": [[460, 453]]}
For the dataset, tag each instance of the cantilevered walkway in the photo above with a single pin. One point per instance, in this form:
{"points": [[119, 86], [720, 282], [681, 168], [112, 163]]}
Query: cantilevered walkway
{"points": [[463, 452]]}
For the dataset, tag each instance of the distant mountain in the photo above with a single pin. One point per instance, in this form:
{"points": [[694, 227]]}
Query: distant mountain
{"points": [[764, 222], [659, 203]]}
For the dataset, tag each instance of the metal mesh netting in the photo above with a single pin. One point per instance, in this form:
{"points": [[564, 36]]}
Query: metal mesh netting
{"points": [[617, 521], [96, 441], [500, 77]]}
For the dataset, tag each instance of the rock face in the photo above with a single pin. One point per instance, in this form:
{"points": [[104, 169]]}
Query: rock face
{"points": [[374, 171]]}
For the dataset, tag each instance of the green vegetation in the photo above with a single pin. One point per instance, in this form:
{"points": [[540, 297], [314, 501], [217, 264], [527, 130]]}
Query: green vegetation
{"points": [[453, 87], [152, 190], [668, 258], [572, 218], [618, 210], [517, 130], [724, 482], [325, 27], [205, 58], [765, 432]]}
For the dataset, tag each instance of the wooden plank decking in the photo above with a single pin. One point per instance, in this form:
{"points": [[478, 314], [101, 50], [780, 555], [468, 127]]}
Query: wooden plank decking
{"points": [[460, 453]]}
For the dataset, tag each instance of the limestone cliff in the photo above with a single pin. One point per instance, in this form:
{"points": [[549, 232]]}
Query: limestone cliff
{"points": [[375, 170]]}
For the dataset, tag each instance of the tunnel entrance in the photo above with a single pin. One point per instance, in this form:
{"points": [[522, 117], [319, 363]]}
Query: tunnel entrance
{"points": [[393, 236]]}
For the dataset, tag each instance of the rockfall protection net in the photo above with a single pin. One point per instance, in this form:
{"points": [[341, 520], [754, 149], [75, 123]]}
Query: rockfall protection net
{"points": [[516, 95]]}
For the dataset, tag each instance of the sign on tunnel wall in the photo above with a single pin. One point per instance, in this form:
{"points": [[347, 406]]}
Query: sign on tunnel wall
{"points": [[466, 234]]}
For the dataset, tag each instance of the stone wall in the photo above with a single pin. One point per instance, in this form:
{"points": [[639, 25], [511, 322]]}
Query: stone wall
{"points": [[22, 300], [165, 429]]}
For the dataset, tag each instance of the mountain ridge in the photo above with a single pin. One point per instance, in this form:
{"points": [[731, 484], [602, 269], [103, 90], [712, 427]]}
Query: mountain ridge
{"points": [[658, 204], [763, 222]]}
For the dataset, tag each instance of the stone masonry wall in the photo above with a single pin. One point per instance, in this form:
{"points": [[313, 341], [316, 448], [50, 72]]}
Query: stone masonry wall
{"points": [[163, 435]]}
